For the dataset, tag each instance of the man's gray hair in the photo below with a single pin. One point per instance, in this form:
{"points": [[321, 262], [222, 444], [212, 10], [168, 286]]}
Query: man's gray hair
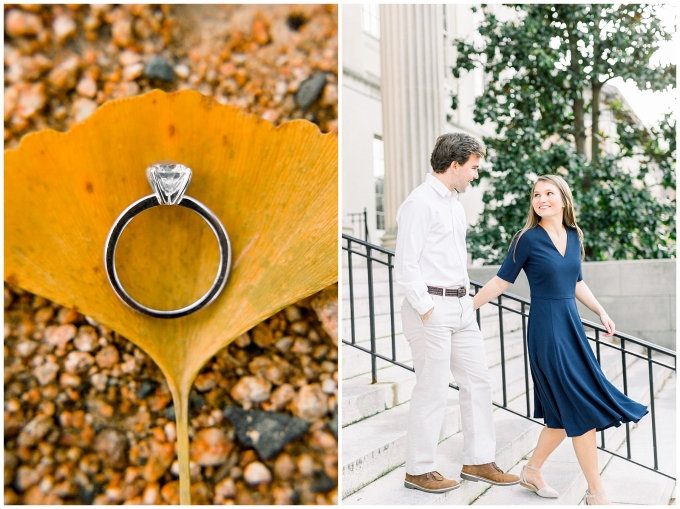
{"points": [[455, 147]]}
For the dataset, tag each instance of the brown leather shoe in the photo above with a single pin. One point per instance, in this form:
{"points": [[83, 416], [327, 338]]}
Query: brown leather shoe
{"points": [[432, 482], [489, 472]]}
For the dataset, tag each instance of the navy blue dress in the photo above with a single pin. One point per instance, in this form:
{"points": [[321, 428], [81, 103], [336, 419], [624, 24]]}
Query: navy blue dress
{"points": [[570, 390]]}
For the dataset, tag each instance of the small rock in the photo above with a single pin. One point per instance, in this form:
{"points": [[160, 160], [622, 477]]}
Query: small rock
{"points": [[26, 477], [63, 76], [170, 493], [86, 339], [69, 380], [225, 488], [310, 90], [262, 335], [205, 382], [31, 100], [326, 307], [251, 389], [281, 396], [99, 381], [133, 71], [87, 86], [182, 71], [266, 432], [257, 473], [18, 23], [112, 446], [310, 403], [46, 373], [35, 430], [122, 32], [146, 388], [64, 27], [77, 362], [242, 341], [328, 386], [170, 432], [83, 108], [44, 315], [210, 447], [151, 494], [26, 347], [284, 468], [322, 483], [293, 314], [159, 68], [107, 357], [161, 457], [128, 57]]}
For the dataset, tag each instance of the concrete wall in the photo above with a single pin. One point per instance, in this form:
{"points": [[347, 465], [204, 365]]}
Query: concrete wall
{"points": [[639, 295]]}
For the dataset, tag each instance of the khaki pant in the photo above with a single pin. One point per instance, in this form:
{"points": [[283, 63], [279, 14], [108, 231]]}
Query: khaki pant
{"points": [[449, 342]]}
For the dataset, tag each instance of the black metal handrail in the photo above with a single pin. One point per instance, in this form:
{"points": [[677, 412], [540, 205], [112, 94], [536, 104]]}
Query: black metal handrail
{"points": [[360, 218], [386, 257]]}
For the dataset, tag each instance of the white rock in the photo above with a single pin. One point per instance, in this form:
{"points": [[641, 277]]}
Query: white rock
{"points": [[256, 473]]}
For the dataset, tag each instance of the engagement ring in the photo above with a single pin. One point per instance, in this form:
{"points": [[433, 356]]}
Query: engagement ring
{"points": [[169, 182]]}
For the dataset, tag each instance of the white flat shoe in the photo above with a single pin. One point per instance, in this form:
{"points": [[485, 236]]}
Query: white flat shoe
{"points": [[545, 491], [590, 496]]}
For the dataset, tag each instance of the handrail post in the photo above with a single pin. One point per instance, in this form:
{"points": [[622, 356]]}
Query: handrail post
{"points": [[365, 225], [500, 325], [371, 313], [597, 349], [651, 405], [526, 358], [625, 391], [351, 289], [389, 275]]}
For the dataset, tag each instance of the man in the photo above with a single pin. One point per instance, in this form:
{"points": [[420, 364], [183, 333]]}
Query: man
{"points": [[439, 322]]}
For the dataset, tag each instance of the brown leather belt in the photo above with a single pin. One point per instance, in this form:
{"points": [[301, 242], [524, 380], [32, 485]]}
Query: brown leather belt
{"points": [[447, 292]]}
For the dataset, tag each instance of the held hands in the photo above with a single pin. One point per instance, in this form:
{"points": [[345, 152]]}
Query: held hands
{"points": [[608, 324], [426, 316]]}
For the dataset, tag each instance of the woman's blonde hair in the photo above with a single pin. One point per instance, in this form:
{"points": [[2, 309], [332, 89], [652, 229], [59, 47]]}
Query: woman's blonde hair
{"points": [[568, 218]]}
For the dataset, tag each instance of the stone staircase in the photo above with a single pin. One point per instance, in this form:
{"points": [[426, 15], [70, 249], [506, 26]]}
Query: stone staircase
{"points": [[374, 418]]}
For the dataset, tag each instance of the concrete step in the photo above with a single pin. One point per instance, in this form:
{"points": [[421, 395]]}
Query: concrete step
{"points": [[377, 445], [513, 436], [562, 470]]}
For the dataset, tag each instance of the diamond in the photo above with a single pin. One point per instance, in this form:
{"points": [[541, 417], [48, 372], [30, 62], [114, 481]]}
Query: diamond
{"points": [[169, 182]]}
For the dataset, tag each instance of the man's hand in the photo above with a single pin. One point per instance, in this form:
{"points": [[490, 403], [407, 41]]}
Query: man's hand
{"points": [[427, 315]]}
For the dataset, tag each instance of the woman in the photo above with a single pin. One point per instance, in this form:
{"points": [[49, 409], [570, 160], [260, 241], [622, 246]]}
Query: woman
{"points": [[571, 393]]}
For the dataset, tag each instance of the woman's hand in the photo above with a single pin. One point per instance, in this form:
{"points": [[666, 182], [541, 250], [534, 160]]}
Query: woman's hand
{"points": [[608, 324], [489, 291]]}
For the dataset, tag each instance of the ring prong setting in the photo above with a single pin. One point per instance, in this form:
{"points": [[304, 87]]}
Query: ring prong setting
{"points": [[169, 182]]}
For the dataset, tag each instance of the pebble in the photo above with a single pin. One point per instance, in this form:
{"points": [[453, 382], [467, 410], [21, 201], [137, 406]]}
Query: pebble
{"points": [[86, 339], [35, 430], [161, 456], [225, 489], [256, 473], [310, 402], [329, 386], [87, 86], [77, 362], [64, 28], [205, 382], [129, 57], [99, 381], [83, 108], [107, 357], [262, 335], [69, 380], [210, 447], [310, 90], [112, 446], [133, 71], [284, 467], [158, 68], [26, 347], [60, 335], [31, 100], [46, 372], [151, 494], [19, 22], [182, 71], [266, 432], [281, 396], [170, 432], [251, 389], [63, 76]]}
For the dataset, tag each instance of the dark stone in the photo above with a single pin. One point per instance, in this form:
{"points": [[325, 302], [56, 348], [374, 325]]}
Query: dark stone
{"points": [[333, 425], [310, 90], [146, 388], [266, 432], [86, 494], [158, 68], [112, 446], [169, 413], [196, 401], [322, 483], [296, 21]]}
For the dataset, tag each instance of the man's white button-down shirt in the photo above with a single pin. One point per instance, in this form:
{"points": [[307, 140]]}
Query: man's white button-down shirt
{"points": [[430, 243]]}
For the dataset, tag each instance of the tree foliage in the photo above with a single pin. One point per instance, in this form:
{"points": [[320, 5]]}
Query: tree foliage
{"points": [[546, 69]]}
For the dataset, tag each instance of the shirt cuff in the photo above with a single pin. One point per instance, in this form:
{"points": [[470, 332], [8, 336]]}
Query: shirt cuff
{"points": [[424, 305]]}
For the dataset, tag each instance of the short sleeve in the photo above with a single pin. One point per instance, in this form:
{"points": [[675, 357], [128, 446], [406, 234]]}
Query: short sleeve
{"points": [[515, 260], [580, 274]]}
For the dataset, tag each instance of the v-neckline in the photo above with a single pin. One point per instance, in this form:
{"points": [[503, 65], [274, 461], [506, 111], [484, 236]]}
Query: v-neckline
{"points": [[566, 246]]}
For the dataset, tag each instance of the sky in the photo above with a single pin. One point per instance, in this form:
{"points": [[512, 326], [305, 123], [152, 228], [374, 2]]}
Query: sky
{"points": [[650, 106]]}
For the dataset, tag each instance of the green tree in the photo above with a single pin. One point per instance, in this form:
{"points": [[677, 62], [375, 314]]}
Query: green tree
{"points": [[547, 68]]}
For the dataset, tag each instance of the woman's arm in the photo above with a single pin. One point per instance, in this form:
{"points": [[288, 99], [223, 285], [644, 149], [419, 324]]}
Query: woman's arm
{"points": [[584, 294], [489, 291]]}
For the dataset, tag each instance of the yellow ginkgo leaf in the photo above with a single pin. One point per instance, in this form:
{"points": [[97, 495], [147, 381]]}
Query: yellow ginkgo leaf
{"points": [[274, 189]]}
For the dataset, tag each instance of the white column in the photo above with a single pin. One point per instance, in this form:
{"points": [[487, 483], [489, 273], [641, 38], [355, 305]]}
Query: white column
{"points": [[412, 86]]}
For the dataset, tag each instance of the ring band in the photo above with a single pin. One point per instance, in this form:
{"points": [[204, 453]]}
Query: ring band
{"points": [[169, 182]]}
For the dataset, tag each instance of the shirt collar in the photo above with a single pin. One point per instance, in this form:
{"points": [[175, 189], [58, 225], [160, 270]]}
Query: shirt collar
{"points": [[439, 186]]}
